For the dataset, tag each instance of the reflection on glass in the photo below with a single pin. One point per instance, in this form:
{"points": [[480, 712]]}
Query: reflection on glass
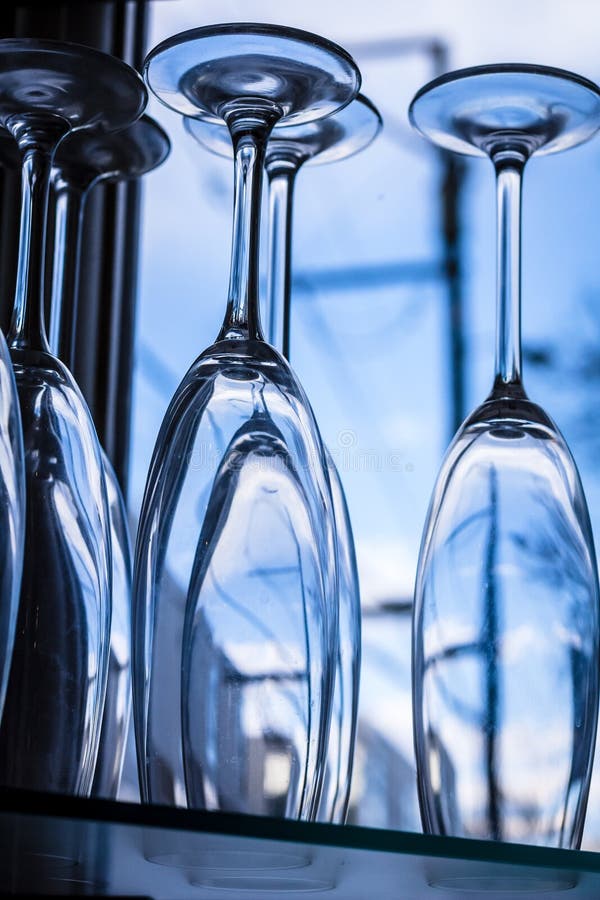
{"points": [[505, 631], [235, 630]]}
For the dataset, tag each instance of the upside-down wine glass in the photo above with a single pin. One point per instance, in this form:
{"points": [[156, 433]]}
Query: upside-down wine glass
{"points": [[235, 550], [332, 139], [337, 137], [51, 724], [505, 627], [85, 159], [12, 485]]}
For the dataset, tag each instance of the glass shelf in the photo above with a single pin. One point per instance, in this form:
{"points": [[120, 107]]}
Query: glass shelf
{"points": [[67, 846]]}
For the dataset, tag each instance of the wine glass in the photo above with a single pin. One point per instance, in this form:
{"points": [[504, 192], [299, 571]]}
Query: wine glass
{"points": [[12, 485], [333, 139], [339, 136], [85, 159], [51, 724], [235, 583], [505, 627]]}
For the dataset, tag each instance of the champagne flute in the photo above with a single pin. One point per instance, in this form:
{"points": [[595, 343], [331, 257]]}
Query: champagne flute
{"points": [[333, 139], [51, 724], [505, 626], [337, 137], [235, 549], [85, 159]]}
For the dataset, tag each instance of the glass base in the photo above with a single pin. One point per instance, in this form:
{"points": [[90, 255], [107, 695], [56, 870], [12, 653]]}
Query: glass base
{"points": [[83, 86], [130, 153], [200, 72], [337, 137], [472, 111]]}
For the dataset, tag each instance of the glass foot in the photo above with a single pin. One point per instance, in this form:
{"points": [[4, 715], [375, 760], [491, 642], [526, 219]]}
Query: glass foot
{"points": [[337, 137], [83, 86], [129, 153], [203, 70], [473, 111], [330, 140]]}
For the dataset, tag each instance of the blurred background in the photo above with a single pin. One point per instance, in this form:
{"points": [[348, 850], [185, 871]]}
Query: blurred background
{"points": [[393, 304]]}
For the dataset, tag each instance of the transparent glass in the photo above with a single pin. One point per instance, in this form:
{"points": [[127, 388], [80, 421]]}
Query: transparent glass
{"points": [[337, 783], [334, 138], [84, 159], [235, 583], [505, 625], [51, 725], [12, 483], [337, 137]]}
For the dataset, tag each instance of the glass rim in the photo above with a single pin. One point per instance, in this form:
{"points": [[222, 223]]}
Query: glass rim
{"points": [[250, 28], [501, 69]]}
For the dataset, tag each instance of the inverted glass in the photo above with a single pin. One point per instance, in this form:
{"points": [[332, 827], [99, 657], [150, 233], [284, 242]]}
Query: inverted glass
{"points": [[334, 138], [505, 623], [85, 159], [327, 140], [235, 583], [51, 724]]}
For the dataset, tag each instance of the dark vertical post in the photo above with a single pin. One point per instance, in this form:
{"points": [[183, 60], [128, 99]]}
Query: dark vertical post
{"points": [[452, 181], [451, 191]]}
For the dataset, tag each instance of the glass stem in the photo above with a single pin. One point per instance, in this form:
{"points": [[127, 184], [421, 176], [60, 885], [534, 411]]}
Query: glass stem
{"points": [[282, 176], [249, 133], [70, 201], [37, 139], [509, 171]]}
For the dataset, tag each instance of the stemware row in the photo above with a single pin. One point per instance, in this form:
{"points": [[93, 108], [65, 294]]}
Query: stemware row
{"points": [[246, 605], [79, 162]]}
